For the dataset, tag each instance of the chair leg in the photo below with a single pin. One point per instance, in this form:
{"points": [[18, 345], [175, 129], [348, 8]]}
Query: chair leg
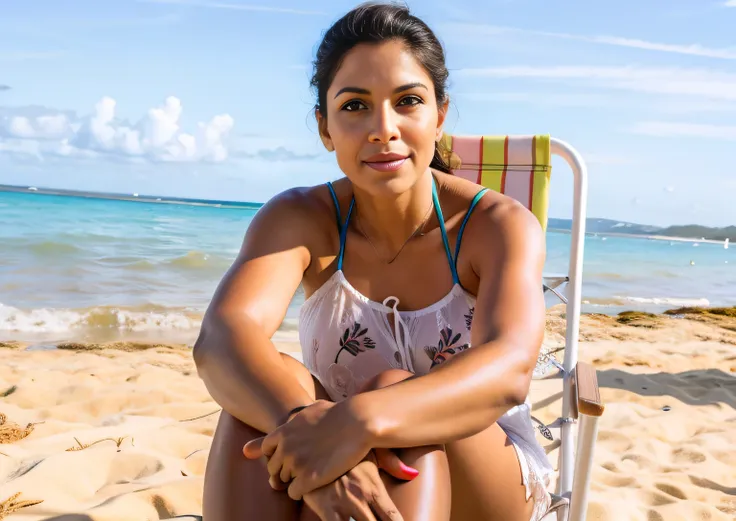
{"points": [[587, 433]]}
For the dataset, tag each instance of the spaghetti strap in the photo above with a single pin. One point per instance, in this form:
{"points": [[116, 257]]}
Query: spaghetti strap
{"points": [[342, 228], [441, 219], [344, 234], [465, 221], [337, 206]]}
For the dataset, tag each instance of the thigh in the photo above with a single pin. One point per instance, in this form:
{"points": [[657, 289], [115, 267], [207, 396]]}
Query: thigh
{"points": [[427, 497], [236, 488], [486, 478]]}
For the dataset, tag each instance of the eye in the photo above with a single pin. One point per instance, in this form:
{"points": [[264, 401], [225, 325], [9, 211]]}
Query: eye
{"points": [[411, 101], [353, 106]]}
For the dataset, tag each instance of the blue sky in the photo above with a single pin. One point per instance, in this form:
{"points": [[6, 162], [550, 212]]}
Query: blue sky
{"points": [[208, 98]]}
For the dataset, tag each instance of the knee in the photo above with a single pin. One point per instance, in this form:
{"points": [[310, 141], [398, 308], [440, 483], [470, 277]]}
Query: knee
{"points": [[384, 379]]}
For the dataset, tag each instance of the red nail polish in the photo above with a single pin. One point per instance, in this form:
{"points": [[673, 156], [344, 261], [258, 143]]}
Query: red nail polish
{"points": [[411, 472]]}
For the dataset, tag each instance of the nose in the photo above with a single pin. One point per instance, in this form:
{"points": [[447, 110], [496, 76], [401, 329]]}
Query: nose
{"points": [[385, 125]]}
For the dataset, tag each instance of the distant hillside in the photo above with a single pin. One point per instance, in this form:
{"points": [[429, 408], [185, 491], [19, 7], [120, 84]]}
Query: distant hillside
{"points": [[693, 231], [597, 225], [697, 231]]}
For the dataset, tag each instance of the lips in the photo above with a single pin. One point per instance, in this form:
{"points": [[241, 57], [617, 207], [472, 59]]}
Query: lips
{"points": [[386, 162]]}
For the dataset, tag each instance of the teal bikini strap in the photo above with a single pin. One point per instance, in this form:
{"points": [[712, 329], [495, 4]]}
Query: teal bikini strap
{"points": [[441, 219], [465, 221], [337, 206], [342, 228], [344, 234]]}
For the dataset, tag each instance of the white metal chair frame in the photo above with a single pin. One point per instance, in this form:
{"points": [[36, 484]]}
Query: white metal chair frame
{"points": [[581, 405]]}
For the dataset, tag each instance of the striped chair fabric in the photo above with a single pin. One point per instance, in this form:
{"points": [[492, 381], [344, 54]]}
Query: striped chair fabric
{"points": [[517, 166]]}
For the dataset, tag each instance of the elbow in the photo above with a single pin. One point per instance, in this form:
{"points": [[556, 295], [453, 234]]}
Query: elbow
{"points": [[517, 395], [203, 345], [517, 390], [210, 333], [198, 351]]}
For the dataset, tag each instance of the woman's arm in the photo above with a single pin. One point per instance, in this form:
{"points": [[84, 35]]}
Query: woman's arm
{"points": [[235, 357], [474, 388]]}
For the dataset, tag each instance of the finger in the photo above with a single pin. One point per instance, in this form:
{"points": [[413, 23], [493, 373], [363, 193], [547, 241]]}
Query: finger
{"points": [[270, 443], [275, 462], [253, 449], [383, 505], [295, 489], [286, 473], [357, 508], [390, 462], [323, 511], [277, 484], [301, 486]]}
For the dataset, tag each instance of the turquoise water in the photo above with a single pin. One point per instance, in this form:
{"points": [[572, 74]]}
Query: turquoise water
{"points": [[73, 267]]}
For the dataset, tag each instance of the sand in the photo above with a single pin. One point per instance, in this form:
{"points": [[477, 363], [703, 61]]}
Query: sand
{"points": [[123, 434]]}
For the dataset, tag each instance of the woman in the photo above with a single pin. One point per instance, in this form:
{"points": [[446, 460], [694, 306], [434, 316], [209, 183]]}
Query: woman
{"points": [[405, 267]]}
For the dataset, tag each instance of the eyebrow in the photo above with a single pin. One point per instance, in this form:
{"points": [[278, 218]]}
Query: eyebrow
{"points": [[358, 90]]}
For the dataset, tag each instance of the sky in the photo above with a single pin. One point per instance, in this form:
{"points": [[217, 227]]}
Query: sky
{"points": [[211, 98]]}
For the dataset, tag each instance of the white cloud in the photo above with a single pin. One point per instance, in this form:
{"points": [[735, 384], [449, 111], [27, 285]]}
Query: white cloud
{"points": [[696, 130], [54, 126], [691, 49], [730, 3], [234, 6], [634, 43], [705, 83], [157, 136]]}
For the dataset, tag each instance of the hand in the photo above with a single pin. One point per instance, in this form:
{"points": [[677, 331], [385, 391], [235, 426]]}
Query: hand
{"points": [[316, 447], [360, 494]]}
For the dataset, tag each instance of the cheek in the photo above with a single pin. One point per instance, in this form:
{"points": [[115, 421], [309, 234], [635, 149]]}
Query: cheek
{"points": [[422, 132], [349, 139]]}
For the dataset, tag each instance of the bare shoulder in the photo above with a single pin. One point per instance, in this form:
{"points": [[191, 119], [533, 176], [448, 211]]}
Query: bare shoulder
{"points": [[295, 217], [496, 220]]}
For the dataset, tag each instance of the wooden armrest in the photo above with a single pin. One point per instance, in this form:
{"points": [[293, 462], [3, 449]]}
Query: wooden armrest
{"points": [[586, 398]]}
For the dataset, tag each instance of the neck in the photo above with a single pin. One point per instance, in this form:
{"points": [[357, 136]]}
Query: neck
{"points": [[390, 221]]}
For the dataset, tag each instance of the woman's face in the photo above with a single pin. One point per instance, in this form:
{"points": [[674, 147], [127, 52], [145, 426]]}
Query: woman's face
{"points": [[382, 118]]}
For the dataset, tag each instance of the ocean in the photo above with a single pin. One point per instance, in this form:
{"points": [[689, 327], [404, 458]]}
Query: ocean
{"points": [[86, 269]]}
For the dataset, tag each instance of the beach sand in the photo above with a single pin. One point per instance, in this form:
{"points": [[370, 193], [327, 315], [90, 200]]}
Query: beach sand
{"points": [[93, 433]]}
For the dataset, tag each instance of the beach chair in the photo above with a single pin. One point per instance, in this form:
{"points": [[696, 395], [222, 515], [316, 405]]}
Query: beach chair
{"points": [[520, 167]]}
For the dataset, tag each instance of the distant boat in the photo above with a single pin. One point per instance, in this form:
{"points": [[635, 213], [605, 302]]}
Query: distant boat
{"points": [[725, 244], [33, 188], [135, 195]]}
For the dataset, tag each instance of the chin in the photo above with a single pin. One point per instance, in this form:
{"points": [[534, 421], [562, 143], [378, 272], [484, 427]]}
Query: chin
{"points": [[387, 183]]}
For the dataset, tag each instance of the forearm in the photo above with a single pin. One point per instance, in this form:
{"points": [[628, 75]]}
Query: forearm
{"points": [[245, 374], [459, 398]]}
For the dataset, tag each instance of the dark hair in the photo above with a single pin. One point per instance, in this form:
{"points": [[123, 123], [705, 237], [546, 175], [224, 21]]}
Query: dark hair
{"points": [[376, 22]]}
